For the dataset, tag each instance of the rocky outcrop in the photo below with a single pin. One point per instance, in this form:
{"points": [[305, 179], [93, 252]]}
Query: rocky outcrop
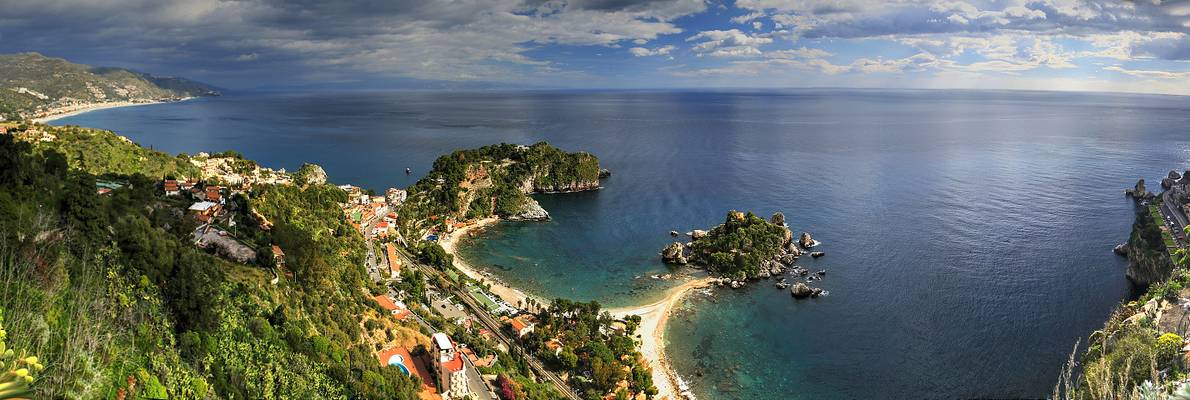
{"points": [[675, 253], [530, 210], [1170, 179], [778, 218], [806, 241], [801, 291], [310, 174], [1139, 191], [698, 234], [1148, 259]]}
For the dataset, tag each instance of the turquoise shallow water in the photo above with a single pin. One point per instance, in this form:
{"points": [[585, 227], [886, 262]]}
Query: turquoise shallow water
{"points": [[968, 234]]}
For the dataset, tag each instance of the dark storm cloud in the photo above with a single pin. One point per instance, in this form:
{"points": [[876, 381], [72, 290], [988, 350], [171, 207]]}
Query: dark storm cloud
{"points": [[248, 42]]}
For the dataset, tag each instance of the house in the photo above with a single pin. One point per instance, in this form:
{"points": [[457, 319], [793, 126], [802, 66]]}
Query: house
{"points": [[380, 230], [213, 193], [205, 210], [395, 196], [394, 261], [187, 185], [387, 303], [521, 325], [171, 187], [448, 366], [554, 345]]}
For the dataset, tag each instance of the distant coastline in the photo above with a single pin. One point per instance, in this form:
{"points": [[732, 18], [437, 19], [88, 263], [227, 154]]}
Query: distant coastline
{"points": [[71, 111]]}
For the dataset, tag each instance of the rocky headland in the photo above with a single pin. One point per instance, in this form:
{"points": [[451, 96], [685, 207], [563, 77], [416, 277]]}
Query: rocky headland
{"points": [[495, 181]]}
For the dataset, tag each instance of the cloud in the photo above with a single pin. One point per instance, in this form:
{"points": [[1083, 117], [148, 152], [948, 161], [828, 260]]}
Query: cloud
{"points": [[660, 51], [727, 43], [489, 40], [1180, 75]]}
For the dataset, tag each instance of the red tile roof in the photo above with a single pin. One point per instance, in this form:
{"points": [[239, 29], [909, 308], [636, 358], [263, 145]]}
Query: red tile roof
{"points": [[517, 324], [455, 364], [386, 302]]}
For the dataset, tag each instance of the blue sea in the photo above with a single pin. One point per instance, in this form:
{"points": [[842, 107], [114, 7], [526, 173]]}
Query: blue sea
{"points": [[968, 233]]}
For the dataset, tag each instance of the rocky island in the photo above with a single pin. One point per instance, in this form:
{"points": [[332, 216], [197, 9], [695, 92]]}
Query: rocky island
{"points": [[747, 247]]}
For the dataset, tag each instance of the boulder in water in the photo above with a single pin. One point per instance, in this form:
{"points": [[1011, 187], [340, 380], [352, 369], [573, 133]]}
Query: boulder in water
{"points": [[675, 253], [806, 241], [801, 290]]}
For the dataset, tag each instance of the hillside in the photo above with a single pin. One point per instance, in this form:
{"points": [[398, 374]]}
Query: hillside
{"points": [[108, 290], [32, 85], [495, 180]]}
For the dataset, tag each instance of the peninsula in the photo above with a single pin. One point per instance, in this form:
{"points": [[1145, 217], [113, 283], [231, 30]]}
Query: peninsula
{"points": [[40, 88]]}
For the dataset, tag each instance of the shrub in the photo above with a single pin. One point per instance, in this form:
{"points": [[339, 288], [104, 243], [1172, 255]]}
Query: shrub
{"points": [[1167, 349]]}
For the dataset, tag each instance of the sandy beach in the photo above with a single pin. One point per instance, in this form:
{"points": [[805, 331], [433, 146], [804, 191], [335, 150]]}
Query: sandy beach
{"points": [[450, 242], [652, 330], [76, 110]]}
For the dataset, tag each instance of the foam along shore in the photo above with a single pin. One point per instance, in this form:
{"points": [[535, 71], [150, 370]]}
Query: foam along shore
{"points": [[450, 244], [653, 318], [71, 111], [653, 315]]}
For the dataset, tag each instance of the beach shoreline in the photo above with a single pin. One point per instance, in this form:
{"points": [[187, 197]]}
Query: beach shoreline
{"points": [[73, 111], [653, 315], [506, 292]]}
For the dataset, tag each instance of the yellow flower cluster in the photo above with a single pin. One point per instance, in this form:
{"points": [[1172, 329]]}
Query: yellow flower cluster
{"points": [[17, 370]]}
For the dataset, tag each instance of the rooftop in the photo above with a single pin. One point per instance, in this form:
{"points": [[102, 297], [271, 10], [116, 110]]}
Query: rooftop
{"points": [[386, 303], [442, 341]]}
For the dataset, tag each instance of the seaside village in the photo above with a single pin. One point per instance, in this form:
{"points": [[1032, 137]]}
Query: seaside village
{"points": [[446, 368]]}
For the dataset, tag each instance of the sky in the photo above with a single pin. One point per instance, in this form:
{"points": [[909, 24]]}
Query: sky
{"points": [[1086, 45]]}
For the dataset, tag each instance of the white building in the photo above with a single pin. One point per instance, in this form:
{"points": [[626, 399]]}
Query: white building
{"points": [[448, 366]]}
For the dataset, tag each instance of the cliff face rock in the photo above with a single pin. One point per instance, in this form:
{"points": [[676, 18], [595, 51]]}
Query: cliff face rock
{"points": [[1148, 261], [530, 210], [310, 174], [572, 186]]}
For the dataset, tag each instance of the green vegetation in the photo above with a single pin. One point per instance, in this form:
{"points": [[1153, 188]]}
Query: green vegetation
{"points": [[493, 181], [47, 79], [111, 294], [740, 244], [1135, 355], [1166, 237], [101, 152], [597, 351]]}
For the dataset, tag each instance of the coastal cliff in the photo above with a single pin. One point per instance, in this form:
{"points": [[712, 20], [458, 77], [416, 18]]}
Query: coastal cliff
{"points": [[1148, 261], [497, 181]]}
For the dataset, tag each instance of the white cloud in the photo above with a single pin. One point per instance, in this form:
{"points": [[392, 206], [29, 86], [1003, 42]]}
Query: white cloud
{"points": [[728, 43], [1179, 75], [660, 51]]}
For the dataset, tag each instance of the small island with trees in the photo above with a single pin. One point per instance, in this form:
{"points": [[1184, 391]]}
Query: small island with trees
{"points": [[747, 247]]}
